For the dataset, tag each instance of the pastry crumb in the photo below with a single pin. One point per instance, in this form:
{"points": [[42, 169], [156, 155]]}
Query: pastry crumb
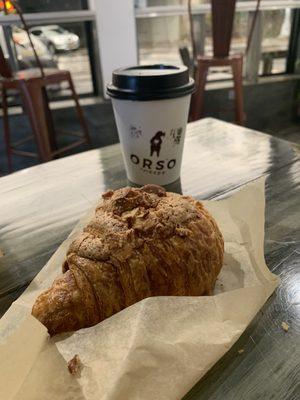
{"points": [[285, 326], [74, 365], [241, 351]]}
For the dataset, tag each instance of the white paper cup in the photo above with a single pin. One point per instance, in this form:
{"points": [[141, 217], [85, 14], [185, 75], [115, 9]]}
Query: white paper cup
{"points": [[151, 106]]}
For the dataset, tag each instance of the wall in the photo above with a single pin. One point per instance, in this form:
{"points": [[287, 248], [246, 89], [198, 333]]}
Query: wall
{"points": [[116, 32], [269, 106]]}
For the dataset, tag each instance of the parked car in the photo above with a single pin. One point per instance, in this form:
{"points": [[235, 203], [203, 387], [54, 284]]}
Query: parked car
{"points": [[24, 51], [56, 38]]}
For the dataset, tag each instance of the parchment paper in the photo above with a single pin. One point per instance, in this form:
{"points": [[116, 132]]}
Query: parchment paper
{"points": [[156, 349]]}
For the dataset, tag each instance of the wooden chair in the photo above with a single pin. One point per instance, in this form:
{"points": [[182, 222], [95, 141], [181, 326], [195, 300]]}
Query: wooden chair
{"points": [[222, 17], [32, 85]]}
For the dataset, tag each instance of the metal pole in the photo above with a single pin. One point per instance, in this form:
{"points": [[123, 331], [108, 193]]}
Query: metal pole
{"points": [[91, 36], [254, 52], [11, 51], [294, 44], [199, 29]]}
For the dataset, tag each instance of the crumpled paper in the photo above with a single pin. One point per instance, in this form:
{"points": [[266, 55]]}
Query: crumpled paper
{"points": [[155, 349]]}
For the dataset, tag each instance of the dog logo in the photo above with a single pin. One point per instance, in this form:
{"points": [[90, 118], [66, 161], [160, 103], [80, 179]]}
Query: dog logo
{"points": [[156, 142]]}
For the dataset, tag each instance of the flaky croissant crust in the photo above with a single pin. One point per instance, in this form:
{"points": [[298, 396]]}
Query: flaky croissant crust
{"points": [[140, 243]]}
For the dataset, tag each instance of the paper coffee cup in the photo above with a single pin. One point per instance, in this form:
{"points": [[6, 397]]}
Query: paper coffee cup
{"points": [[151, 105]]}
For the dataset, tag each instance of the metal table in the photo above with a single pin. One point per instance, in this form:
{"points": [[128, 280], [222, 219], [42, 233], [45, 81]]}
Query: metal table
{"points": [[40, 205]]}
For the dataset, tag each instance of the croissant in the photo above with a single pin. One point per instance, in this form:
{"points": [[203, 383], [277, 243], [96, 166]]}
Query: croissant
{"points": [[141, 242]]}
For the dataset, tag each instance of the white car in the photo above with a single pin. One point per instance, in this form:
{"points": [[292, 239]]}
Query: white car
{"points": [[56, 38], [24, 50]]}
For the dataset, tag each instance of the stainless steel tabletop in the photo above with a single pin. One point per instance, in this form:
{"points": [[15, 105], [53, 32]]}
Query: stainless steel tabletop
{"points": [[40, 205]]}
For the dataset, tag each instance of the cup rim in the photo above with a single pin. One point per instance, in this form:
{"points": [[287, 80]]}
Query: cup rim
{"points": [[145, 83]]}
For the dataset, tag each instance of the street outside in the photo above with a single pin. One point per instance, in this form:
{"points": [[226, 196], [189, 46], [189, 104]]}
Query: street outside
{"points": [[78, 63], [170, 55]]}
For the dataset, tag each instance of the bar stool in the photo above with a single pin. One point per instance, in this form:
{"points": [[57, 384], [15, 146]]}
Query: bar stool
{"points": [[222, 19], [32, 84]]}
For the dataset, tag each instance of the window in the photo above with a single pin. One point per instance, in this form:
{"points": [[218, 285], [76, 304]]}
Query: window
{"points": [[163, 27], [275, 41], [159, 39], [69, 45], [66, 50], [65, 45]]}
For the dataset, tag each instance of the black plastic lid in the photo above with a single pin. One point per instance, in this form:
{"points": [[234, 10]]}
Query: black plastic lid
{"points": [[150, 82]]}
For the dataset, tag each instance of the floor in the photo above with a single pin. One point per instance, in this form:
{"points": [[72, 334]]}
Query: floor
{"points": [[102, 129], [101, 124]]}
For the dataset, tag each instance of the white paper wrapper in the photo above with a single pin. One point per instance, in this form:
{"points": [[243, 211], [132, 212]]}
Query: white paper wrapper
{"points": [[156, 349]]}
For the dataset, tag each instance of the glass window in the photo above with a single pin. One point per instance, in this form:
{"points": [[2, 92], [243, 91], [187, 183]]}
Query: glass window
{"points": [[64, 46], [275, 43], [161, 37]]}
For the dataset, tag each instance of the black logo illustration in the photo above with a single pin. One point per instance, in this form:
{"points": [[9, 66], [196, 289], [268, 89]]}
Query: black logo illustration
{"points": [[156, 143], [176, 135]]}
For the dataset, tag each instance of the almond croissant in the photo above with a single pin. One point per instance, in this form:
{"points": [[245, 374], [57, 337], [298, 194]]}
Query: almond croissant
{"points": [[141, 242]]}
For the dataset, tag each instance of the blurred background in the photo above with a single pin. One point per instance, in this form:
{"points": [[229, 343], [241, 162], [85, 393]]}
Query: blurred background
{"points": [[90, 38]]}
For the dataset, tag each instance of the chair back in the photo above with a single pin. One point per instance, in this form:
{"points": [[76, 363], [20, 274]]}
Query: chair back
{"points": [[5, 70], [222, 24]]}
